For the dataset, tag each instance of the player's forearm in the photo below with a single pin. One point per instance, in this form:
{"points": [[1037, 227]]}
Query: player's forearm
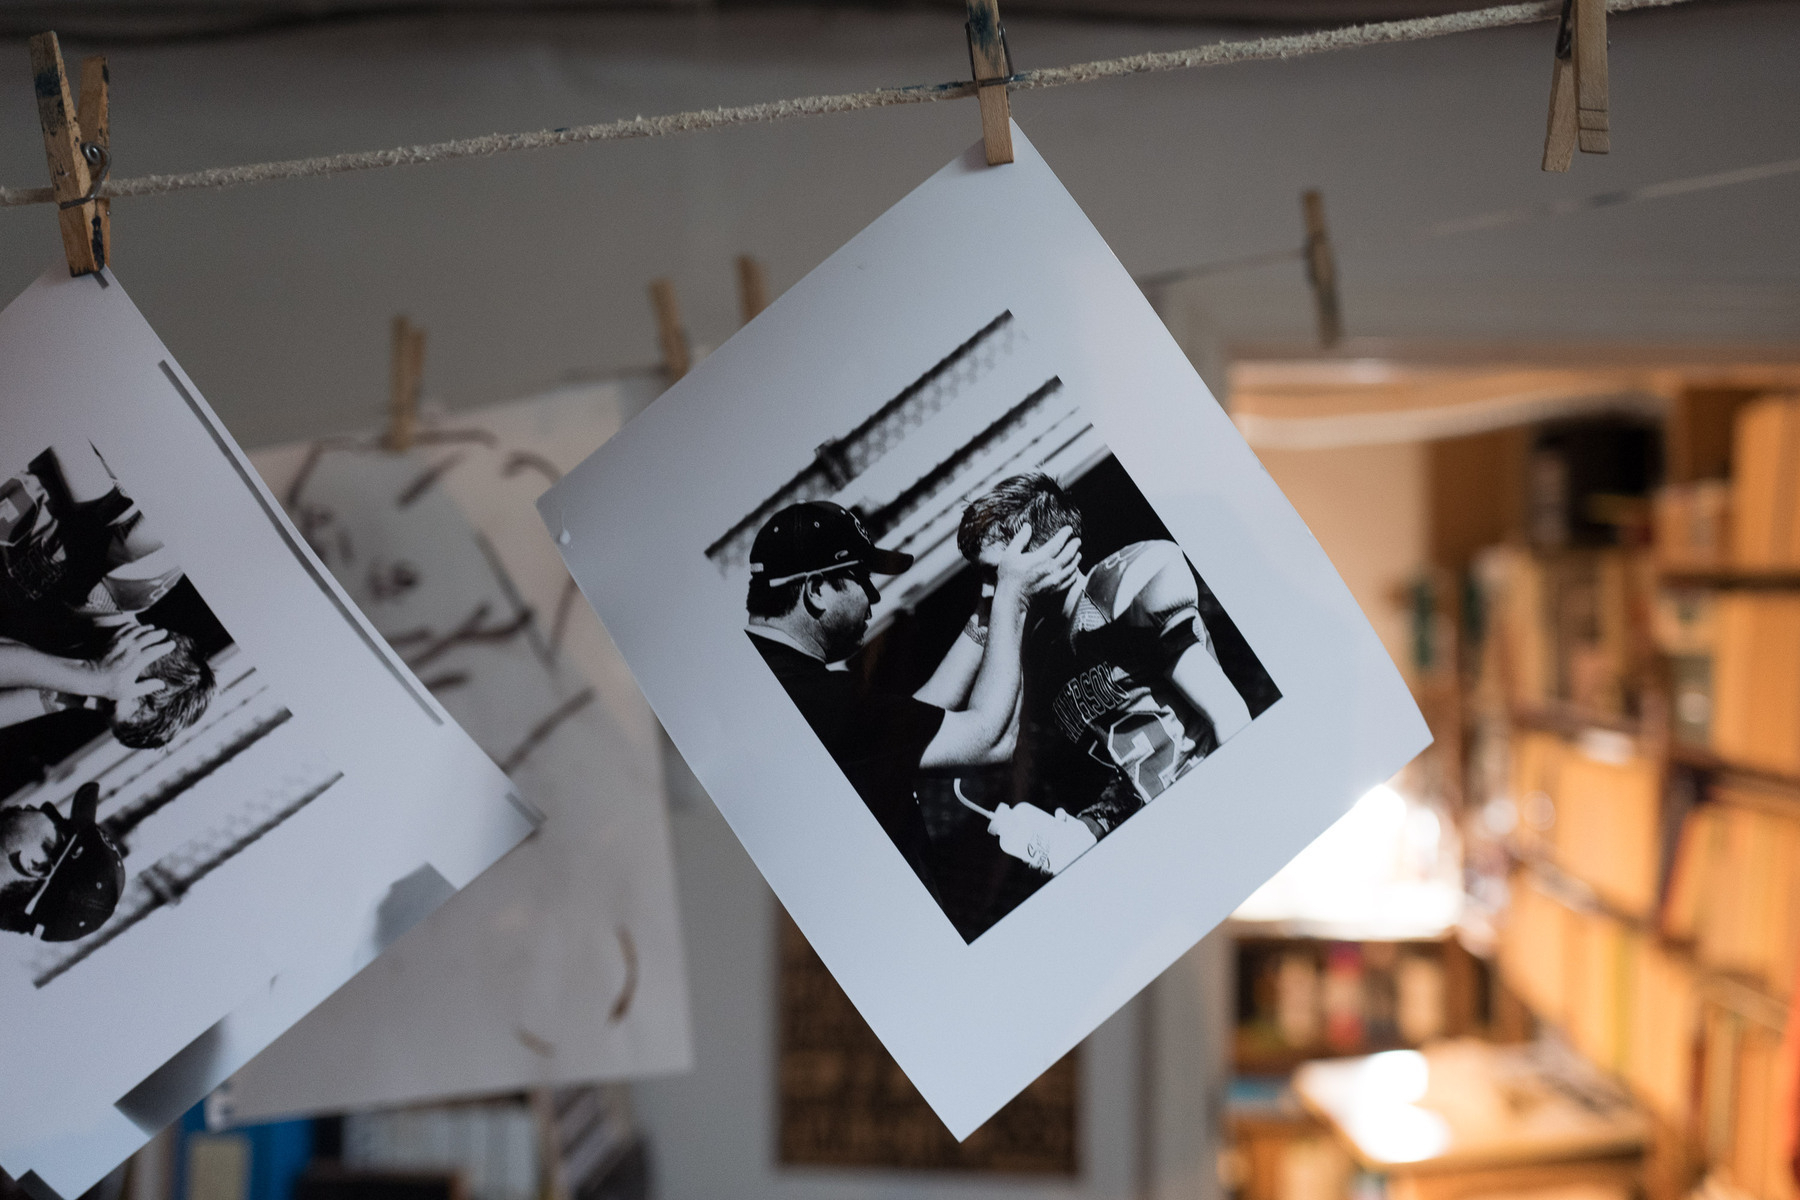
{"points": [[18, 705], [1204, 684], [950, 685], [23, 667], [996, 690]]}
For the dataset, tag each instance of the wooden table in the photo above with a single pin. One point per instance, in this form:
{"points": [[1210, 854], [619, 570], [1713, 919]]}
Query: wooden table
{"points": [[1469, 1120]]}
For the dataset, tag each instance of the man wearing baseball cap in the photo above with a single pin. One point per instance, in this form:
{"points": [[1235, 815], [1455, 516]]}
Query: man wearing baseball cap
{"points": [[60, 877], [811, 593]]}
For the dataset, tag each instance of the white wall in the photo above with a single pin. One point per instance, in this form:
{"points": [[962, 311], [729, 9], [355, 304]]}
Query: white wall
{"points": [[1366, 507]]}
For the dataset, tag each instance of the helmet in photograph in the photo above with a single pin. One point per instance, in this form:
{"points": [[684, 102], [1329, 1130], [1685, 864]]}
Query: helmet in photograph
{"points": [[85, 883]]}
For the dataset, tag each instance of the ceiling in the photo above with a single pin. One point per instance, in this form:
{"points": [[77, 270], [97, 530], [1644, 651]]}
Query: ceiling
{"points": [[529, 268], [150, 21]]}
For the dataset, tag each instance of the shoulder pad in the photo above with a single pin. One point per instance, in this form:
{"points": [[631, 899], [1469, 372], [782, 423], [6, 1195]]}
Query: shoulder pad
{"points": [[1142, 580]]}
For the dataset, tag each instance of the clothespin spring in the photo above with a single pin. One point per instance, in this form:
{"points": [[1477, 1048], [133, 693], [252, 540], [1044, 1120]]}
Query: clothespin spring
{"points": [[99, 163], [1006, 67]]}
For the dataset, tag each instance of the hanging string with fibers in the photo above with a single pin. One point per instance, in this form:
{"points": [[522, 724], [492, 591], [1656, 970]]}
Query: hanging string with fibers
{"points": [[1216, 54], [1495, 220]]}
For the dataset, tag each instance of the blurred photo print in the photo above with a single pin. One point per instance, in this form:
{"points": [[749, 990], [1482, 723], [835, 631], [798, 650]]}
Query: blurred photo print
{"points": [[988, 627], [441, 548], [995, 645], [222, 794]]}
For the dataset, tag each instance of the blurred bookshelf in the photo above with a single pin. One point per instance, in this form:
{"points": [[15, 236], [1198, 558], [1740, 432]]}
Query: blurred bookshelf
{"points": [[1606, 644], [1633, 702]]}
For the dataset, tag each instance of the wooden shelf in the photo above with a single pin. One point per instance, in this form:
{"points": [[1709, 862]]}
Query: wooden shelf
{"points": [[1292, 929], [1730, 577], [1572, 891], [1571, 721], [1705, 760], [1747, 997]]}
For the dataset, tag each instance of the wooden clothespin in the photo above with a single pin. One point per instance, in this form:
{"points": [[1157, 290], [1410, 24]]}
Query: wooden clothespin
{"points": [[1321, 269], [1578, 86], [95, 115], [552, 1154], [405, 381], [753, 287], [990, 62], [669, 332], [78, 165], [1590, 76]]}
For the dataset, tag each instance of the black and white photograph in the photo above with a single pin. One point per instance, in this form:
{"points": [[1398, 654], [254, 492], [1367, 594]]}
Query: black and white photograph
{"points": [[995, 645], [992, 632], [139, 749], [222, 795]]}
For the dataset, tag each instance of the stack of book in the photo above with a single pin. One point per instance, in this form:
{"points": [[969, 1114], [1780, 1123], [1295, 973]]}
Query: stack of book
{"points": [[1685, 626], [1654, 911], [492, 1146], [1734, 887], [1692, 526], [1572, 628], [1592, 807], [1685, 1002], [1306, 997], [1756, 680], [1752, 1144], [1665, 998], [576, 1143], [1765, 484], [1625, 1002]]}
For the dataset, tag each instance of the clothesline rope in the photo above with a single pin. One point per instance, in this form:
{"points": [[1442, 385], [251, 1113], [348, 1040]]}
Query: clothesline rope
{"points": [[1494, 220], [1215, 54]]}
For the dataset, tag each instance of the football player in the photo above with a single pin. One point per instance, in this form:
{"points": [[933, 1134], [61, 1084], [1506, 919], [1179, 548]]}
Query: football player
{"points": [[1123, 693]]}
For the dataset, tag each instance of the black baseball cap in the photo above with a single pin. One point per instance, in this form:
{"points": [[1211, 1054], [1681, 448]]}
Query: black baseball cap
{"points": [[87, 879], [814, 537]]}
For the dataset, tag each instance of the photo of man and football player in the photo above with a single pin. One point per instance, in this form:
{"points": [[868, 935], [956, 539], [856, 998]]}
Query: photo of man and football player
{"points": [[988, 627], [139, 750]]}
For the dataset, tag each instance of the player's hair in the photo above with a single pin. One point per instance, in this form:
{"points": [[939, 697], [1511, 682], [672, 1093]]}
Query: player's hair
{"points": [[765, 601], [161, 715], [998, 515]]}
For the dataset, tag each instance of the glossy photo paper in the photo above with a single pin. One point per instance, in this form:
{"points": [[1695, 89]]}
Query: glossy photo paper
{"points": [[221, 793], [1008, 663]]}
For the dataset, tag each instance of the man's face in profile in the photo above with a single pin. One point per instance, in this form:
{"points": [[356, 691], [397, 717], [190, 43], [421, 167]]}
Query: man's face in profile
{"points": [[27, 844], [845, 599]]}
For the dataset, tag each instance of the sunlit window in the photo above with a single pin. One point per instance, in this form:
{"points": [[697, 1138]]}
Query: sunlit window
{"points": [[1388, 867]]}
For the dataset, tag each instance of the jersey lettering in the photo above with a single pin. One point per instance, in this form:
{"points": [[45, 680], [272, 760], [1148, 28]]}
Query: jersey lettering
{"points": [[1135, 617], [1085, 699]]}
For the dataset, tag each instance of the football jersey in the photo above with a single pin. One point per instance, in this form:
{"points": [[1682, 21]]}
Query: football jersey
{"points": [[73, 555], [1097, 686]]}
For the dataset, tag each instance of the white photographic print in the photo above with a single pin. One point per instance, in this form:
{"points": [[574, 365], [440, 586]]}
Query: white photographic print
{"points": [[223, 795], [139, 750], [563, 963], [888, 553], [1211, 623]]}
